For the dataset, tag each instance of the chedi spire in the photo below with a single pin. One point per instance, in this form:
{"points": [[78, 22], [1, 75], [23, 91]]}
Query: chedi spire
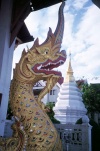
{"points": [[69, 106], [69, 75]]}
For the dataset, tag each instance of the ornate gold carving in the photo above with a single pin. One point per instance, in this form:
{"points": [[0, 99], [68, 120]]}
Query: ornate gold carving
{"points": [[33, 130]]}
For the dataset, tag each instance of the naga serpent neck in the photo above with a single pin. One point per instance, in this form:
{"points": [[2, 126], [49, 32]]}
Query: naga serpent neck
{"points": [[33, 129], [39, 129]]}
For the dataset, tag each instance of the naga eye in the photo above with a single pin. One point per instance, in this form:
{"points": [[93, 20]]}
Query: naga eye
{"points": [[46, 52]]}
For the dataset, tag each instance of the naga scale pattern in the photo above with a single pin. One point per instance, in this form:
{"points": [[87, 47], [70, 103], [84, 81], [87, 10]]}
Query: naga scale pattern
{"points": [[33, 130]]}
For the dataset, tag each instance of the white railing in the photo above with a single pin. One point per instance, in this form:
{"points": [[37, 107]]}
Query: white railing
{"points": [[8, 131], [75, 137]]}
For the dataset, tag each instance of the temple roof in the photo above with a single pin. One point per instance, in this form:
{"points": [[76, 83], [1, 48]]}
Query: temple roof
{"points": [[21, 9], [39, 4], [23, 36], [96, 2]]}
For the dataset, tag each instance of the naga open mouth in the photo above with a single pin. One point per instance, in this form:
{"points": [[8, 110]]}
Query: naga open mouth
{"points": [[47, 66]]}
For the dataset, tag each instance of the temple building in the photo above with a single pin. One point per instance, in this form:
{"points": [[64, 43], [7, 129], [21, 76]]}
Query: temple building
{"points": [[69, 106], [50, 97]]}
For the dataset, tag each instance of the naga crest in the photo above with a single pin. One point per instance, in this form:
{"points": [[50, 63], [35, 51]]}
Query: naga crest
{"points": [[38, 62], [33, 129]]}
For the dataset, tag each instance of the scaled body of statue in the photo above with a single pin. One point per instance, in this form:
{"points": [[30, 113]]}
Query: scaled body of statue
{"points": [[33, 130]]}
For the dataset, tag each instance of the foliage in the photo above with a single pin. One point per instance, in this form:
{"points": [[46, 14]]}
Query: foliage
{"points": [[50, 112], [91, 97], [79, 121], [9, 112], [91, 122]]}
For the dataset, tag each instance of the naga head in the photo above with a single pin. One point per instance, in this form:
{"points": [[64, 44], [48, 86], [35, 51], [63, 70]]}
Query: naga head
{"points": [[40, 60]]}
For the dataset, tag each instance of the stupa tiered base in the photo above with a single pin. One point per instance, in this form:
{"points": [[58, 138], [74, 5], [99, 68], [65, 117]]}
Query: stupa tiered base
{"points": [[69, 106]]}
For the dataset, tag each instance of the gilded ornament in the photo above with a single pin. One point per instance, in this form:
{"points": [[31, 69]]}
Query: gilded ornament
{"points": [[33, 130]]}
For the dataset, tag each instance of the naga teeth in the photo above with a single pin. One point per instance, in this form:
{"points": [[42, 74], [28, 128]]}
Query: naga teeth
{"points": [[61, 62], [39, 67], [50, 63]]}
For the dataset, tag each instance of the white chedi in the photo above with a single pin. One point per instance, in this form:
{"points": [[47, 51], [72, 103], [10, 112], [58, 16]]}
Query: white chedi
{"points": [[69, 106]]}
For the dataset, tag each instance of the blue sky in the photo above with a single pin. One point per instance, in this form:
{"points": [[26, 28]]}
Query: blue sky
{"points": [[81, 35]]}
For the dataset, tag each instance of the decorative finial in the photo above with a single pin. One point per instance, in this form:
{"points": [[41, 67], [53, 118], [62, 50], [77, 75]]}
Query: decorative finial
{"points": [[69, 75], [70, 55]]}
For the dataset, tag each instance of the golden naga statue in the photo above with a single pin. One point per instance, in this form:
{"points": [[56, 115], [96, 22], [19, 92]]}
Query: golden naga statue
{"points": [[33, 130]]}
